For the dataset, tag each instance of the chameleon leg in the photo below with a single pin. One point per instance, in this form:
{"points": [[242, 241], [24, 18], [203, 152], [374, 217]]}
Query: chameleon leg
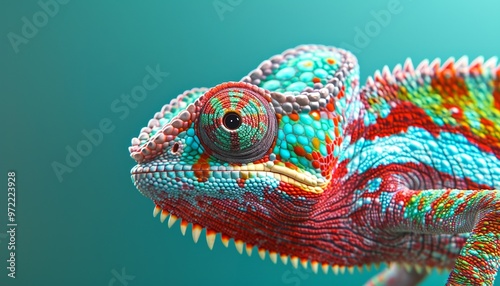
{"points": [[479, 259], [450, 211], [396, 275]]}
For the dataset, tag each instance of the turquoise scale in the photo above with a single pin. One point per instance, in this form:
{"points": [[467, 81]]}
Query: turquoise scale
{"points": [[299, 72]]}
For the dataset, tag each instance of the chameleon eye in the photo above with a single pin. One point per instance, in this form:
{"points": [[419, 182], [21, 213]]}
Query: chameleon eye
{"points": [[232, 120], [236, 123]]}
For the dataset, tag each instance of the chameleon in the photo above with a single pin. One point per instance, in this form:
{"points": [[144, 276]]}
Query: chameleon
{"points": [[301, 162]]}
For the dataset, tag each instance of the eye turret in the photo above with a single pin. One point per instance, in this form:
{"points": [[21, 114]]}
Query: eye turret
{"points": [[237, 123]]}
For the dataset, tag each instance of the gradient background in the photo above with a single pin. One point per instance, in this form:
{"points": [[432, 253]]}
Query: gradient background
{"points": [[80, 230]]}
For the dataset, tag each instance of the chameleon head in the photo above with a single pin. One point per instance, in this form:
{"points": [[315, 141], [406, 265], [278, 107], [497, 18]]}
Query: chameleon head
{"points": [[236, 160]]}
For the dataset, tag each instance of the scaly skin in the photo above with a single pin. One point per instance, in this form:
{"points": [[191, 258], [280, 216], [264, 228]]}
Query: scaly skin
{"points": [[299, 161]]}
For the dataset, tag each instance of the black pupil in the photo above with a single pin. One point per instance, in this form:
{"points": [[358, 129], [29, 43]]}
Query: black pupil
{"points": [[232, 120]]}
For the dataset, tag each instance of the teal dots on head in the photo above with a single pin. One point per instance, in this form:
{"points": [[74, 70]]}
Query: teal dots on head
{"points": [[303, 70], [303, 139], [192, 147], [236, 123], [296, 86], [298, 129], [305, 64], [285, 73]]}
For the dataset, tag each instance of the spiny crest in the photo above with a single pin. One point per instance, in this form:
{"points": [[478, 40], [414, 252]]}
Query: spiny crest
{"points": [[451, 67], [462, 95]]}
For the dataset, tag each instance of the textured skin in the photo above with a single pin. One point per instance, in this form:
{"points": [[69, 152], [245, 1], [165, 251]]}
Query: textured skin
{"points": [[319, 170]]}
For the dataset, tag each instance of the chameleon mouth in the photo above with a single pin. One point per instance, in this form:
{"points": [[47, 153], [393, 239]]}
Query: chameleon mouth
{"points": [[240, 245], [303, 180]]}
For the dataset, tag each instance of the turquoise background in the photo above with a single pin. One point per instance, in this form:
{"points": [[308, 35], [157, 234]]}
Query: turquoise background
{"points": [[93, 223]]}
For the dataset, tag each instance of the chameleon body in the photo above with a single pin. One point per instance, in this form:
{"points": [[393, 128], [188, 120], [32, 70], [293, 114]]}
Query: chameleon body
{"points": [[300, 161]]}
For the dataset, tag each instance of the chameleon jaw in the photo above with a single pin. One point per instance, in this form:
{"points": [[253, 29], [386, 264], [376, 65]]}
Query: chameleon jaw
{"points": [[171, 213], [242, 246], [303, 180]]}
